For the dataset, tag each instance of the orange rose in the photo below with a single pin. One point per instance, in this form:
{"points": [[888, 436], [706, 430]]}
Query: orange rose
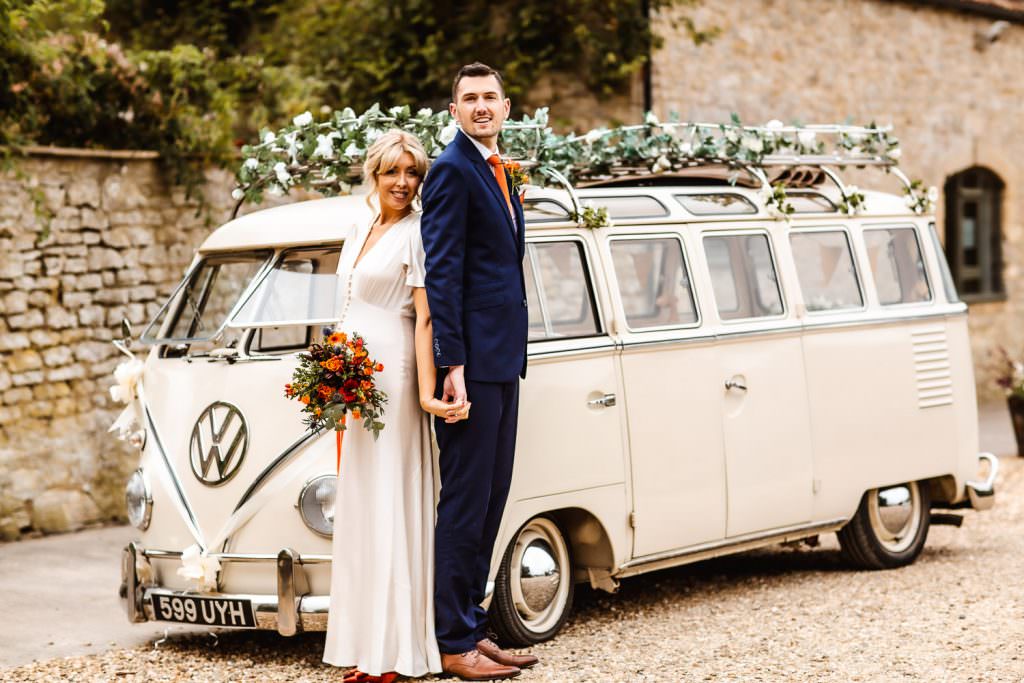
{"points": [[325, 391], [333, 364], [304, 399], [379, 367], [366, 385]]}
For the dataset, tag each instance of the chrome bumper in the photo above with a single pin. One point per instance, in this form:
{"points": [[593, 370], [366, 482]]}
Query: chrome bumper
{"points": [[982, 494], [289, 611]]}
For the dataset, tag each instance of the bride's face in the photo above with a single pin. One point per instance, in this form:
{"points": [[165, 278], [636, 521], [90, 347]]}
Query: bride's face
{"points": [[396, 187]]}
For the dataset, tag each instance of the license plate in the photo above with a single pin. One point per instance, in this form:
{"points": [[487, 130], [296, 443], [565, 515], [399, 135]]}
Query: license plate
{"points": [[204, 611]]}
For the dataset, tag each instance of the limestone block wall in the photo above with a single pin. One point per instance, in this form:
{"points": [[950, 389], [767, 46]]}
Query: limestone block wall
{"points": [[119, 241], [911, 65]]}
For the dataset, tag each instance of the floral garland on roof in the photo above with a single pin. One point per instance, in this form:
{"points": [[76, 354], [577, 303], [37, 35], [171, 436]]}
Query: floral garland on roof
{"points": [[327, 155]]}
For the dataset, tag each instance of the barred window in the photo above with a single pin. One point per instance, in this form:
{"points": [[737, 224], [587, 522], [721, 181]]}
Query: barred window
{"points": [[974, 233]]}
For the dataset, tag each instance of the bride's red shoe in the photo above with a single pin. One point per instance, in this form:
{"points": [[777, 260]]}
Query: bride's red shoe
{"points": [[357, 676]]}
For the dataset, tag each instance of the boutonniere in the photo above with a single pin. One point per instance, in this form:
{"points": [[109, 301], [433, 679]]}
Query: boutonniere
{"points": [[517, 178]]}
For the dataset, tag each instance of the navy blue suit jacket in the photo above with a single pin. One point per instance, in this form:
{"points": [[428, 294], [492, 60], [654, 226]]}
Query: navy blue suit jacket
{"points": [[474, 260]]}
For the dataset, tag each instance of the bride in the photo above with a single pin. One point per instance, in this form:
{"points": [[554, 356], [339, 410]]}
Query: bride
{"points": [[381, 617]]}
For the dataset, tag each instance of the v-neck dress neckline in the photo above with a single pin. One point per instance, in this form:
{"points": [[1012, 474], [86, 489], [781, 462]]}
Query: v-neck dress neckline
{"points": [[360, 256]]}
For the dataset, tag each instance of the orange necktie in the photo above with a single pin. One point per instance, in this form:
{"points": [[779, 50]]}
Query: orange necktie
{"points": [[499, 173]]}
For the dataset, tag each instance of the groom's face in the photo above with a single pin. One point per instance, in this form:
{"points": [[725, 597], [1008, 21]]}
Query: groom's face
{"points": [[480, 107]]}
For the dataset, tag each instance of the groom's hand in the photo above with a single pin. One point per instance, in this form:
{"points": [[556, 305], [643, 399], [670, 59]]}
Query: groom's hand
{"points": [[455, 385]]}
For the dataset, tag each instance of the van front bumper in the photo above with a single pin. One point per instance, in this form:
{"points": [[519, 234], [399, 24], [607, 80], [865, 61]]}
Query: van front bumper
{"points": [[289, 611]]}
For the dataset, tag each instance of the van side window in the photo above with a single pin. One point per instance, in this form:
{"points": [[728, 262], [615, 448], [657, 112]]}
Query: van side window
{"points": [[654, 285], [825, 268], [743, 276], [896, 263], [559, 293]]}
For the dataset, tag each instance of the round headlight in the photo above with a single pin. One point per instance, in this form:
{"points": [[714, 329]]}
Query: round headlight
{"points": [[316, 504], [138, 500]]}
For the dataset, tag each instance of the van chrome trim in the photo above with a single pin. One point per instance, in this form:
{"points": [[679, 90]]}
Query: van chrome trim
{"points": [[577, 352], [734, 544], [157, 554], [274, 464], [867, 322]]}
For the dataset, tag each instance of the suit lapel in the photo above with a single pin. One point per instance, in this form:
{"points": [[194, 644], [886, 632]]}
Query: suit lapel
{"points": [[470, 151]]}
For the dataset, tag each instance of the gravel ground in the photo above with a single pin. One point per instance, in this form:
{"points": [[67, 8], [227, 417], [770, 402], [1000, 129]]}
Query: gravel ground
{"points": [[779, 614]]}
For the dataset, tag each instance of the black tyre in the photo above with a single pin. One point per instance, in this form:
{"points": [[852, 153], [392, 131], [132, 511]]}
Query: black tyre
{"points": [[534, 588], [889, 528]]}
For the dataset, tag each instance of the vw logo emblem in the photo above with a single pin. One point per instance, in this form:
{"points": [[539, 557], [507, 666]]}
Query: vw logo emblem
{"points": [[219, 442]]}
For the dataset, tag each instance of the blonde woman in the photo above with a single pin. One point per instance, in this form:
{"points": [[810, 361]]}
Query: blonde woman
{"points": [[381, 616]]}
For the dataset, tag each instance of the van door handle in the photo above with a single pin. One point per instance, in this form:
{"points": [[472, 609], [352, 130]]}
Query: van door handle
{"points": [[735, 384], [606, 401]]}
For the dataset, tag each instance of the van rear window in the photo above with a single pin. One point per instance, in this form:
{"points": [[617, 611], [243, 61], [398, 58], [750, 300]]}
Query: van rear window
{"points": [[825, 269], [654, 285], [810, 202], [544, 211], [895, 256], [743, 276], [559, 293], [716, 204], [622, 208]]}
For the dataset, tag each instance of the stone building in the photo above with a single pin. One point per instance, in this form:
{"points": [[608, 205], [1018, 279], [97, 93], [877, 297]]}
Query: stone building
{"points": [[118, 242], [942, 72]]}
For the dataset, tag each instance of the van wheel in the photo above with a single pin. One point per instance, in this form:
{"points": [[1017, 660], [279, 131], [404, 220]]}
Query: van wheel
{"points": [[889, 529], [534, 587]]}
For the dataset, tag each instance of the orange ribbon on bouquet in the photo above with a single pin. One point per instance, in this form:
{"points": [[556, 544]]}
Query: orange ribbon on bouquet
{"points": [[338, 434]]}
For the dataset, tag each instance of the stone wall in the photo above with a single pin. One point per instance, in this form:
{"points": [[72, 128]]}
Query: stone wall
{"points": [[953, 104], [119, 241]]}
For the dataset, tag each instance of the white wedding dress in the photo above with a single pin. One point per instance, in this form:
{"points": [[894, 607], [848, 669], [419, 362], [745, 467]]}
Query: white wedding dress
{"points": [[382, 580]]}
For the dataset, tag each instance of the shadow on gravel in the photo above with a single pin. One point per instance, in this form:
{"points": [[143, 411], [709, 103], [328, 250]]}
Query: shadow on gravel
{"points": [[231, 645], [720, 577]]}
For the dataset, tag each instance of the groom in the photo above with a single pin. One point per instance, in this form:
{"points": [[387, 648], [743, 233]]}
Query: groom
{"points": [[473, 235]]}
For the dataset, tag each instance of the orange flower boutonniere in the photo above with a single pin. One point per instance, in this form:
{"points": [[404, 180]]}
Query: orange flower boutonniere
{"points": [[517, 178]]}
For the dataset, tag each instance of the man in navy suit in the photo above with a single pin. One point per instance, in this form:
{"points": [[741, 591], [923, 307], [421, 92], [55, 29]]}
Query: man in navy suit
{"points": [[473, 235]]}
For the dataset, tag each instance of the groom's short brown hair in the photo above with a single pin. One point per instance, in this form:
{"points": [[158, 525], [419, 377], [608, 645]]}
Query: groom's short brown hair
{"points": [[476, 69]]}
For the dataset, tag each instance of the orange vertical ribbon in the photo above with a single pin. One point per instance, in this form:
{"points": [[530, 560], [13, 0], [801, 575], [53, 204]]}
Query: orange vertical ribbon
{"points": [[337, 437]]}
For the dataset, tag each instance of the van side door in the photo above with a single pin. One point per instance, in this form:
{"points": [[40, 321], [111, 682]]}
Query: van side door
{"points": [[765, 420], [672, 391]]}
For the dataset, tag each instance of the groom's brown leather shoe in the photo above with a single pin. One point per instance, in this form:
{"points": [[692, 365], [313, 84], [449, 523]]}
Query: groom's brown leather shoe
{"points": [[489, 648], [474, 666]]}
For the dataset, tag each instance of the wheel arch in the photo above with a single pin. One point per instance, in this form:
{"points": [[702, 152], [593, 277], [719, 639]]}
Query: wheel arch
{"points": [[595, 545]]}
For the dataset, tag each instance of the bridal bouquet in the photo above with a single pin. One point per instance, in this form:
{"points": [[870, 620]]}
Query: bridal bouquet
{"points": [[335, 379]]}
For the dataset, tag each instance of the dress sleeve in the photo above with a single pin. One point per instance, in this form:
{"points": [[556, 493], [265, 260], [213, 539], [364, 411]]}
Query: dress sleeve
{"points": [[415, 258]]}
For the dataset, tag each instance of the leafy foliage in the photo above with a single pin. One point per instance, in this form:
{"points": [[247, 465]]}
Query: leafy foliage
{"points": [[327, 155], [191, 80]]}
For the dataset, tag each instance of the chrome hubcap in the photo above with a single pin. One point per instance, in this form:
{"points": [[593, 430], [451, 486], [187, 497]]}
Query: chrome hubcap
{"points": [[895, 515], [540, 575]]}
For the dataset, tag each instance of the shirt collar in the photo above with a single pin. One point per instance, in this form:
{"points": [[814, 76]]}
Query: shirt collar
{"points": [[484, 152]]}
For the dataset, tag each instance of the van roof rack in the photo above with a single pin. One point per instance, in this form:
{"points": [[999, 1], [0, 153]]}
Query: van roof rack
{"points": [[326, 156], [769, 156]]}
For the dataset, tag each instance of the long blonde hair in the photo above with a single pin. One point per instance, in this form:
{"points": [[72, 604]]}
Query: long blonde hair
{"points": [[383, 155]]}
